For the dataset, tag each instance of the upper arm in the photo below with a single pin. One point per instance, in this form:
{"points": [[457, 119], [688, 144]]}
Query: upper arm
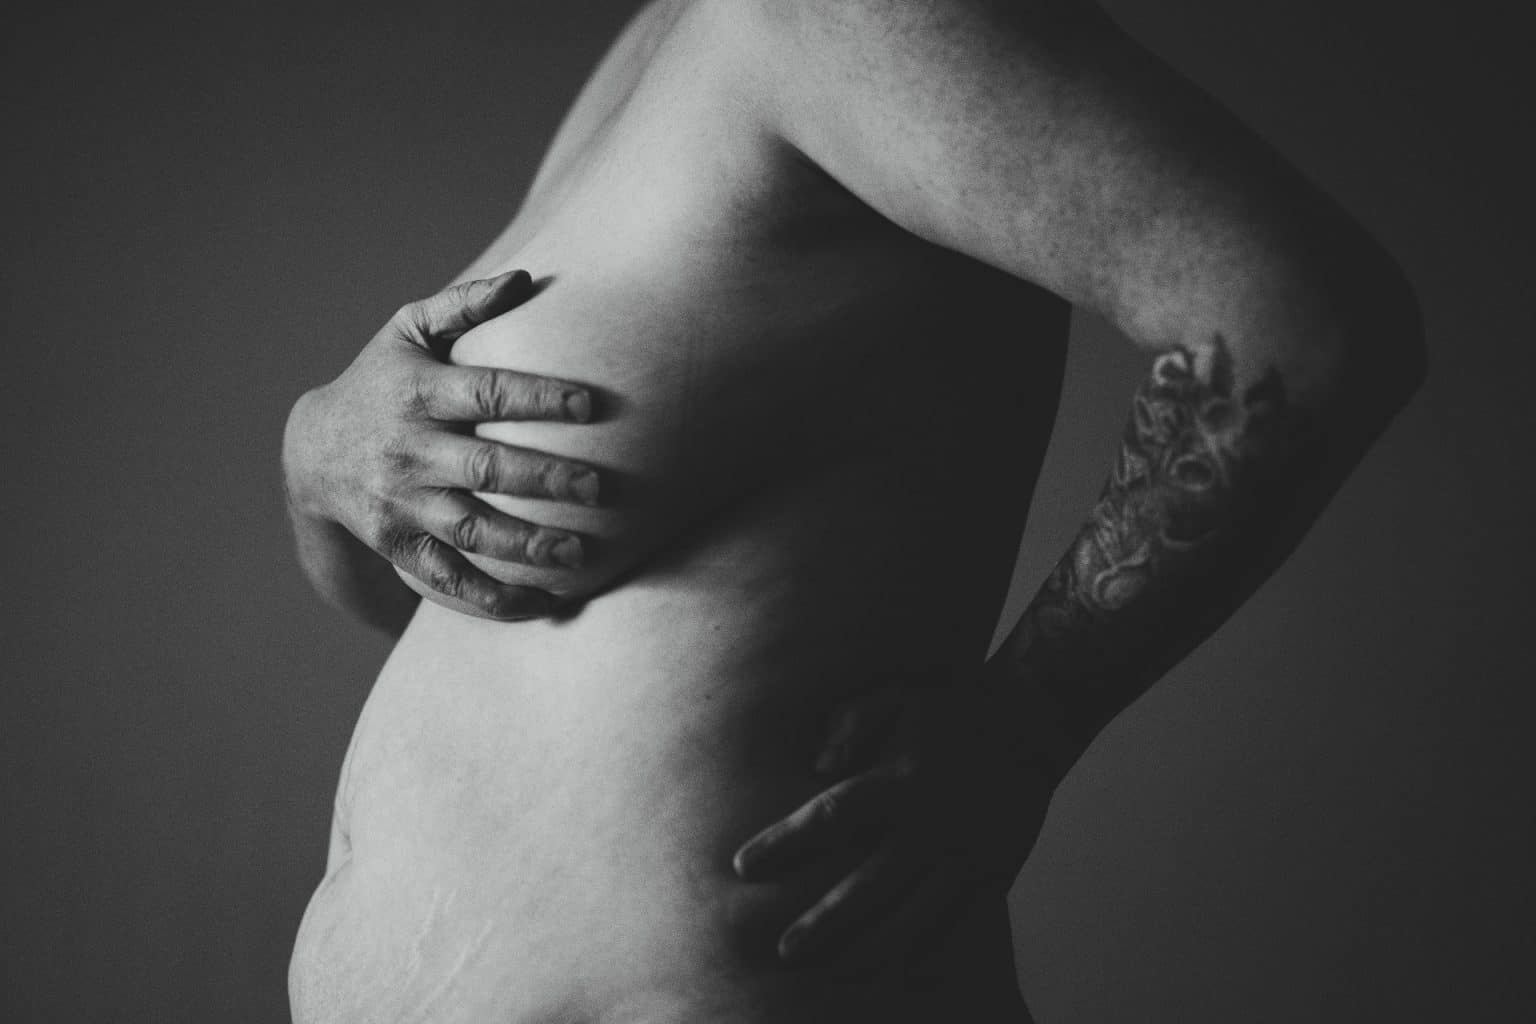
{"points": [[1037, 137]]}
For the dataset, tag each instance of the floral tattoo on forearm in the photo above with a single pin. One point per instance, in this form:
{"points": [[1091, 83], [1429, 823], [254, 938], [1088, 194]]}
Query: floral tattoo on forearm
{"points": [[1192, 476]]}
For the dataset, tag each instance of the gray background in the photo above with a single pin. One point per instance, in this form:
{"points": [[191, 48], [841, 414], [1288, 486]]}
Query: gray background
{"points": [[1324, 815]]}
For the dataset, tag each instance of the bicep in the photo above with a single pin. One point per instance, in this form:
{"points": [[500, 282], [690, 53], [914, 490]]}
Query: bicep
{"points": [[1039, 138]]}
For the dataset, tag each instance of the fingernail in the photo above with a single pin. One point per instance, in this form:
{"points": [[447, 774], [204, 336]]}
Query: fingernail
{"points": [[578, 406], [510, 286], [584, 487], [741, 862], [567, 551]]}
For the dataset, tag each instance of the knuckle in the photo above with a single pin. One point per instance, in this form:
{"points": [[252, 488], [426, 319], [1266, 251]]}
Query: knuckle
{"points": [[403, 392], [446, 582], [551, 400], [379, 481], [488, 599], [506, 540], [490, 394], [395, 541], [439, 574], [829, 807], [395, 457], [480, 467], [521, 546], [415, 396], [466, 531], [377, 531], [422, 548], [553, 478]]}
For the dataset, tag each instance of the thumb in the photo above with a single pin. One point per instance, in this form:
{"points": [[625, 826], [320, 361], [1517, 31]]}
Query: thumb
{"points": [[439, 320]]}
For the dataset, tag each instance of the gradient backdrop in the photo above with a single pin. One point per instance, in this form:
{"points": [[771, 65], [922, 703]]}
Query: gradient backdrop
{"points": [[1323, 816]]}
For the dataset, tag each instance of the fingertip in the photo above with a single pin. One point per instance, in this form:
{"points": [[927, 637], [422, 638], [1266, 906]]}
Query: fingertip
{"points": [[517, 285], [568, 551], [792, 943], [586, 486], [748, 861], [578, 406], [508, 289], [523, 603]]}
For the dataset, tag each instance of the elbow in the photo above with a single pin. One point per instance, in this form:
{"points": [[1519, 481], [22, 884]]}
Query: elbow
{"points": [[1375, 357], [1387, 358]]}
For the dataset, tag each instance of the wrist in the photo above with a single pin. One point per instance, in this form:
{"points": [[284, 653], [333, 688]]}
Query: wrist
{"points": [[1037, 726]]}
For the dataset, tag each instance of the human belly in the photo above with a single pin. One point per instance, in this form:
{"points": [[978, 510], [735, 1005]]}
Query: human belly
{"points": [[541, 815]]}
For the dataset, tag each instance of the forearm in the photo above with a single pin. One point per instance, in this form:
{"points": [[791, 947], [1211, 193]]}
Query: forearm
{"points": [[1219, 473]]}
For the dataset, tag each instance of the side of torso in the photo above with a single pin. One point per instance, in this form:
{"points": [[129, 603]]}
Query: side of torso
{"points": [[822, 435]]}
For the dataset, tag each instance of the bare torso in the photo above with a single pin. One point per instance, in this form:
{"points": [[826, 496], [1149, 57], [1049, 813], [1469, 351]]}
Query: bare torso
{"points": [[821, 435]]}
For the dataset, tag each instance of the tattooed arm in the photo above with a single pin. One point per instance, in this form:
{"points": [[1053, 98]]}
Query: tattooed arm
{"points": [[1038, 138], [1213, 485]]}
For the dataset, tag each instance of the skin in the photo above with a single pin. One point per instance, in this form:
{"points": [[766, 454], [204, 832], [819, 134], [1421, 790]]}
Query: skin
{"points": [[378, 463], [806, 263]]}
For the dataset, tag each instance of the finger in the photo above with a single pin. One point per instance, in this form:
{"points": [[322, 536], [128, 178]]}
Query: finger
{"points": [[449, 460], [479, 394], [876, 883], [831, 816], [856, 728], [446, 572], [468, 524], [440, 319]]}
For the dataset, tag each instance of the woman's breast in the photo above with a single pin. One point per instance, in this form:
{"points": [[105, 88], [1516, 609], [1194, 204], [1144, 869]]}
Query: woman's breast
{"points": [[702, 396]]}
